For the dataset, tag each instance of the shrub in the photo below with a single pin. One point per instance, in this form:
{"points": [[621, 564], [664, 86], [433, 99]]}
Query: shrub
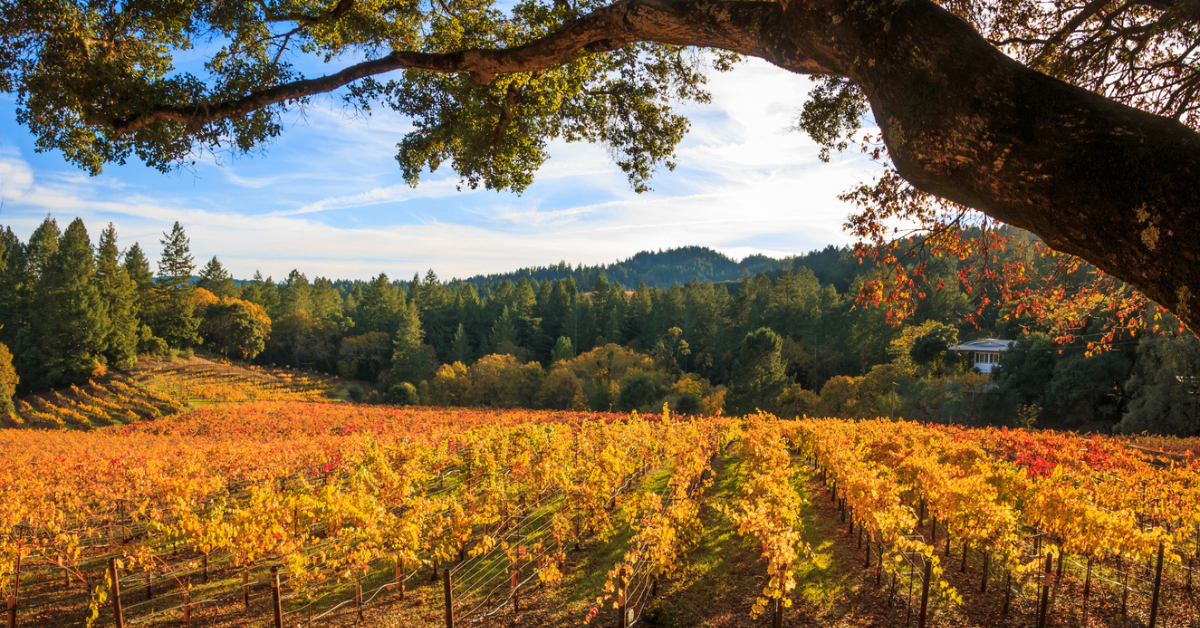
{"points": [[403, 394], [637, 391], [689, 404], [355, 393]]}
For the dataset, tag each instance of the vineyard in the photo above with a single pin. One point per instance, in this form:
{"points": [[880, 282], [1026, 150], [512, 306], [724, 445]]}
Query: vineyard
{"points": [[162, 390], [222, 383], [317, 514]]}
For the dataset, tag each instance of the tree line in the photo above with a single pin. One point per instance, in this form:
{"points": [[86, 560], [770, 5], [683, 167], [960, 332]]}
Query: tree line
{"points": [[790, 339]]}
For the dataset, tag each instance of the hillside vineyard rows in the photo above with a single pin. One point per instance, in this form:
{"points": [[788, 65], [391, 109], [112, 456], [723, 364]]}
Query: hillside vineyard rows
{"points": [[304, 513]]}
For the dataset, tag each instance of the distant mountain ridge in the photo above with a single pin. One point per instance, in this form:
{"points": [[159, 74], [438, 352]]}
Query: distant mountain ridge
{"points": [[656, 268]]}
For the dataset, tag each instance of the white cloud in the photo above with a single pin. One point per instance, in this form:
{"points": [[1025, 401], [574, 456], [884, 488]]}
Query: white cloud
{"points": [[327, 198], [16, 177]]}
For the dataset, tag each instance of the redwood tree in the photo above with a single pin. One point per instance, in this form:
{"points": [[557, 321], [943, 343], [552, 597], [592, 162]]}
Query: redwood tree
{"points": [[1072, 119]]}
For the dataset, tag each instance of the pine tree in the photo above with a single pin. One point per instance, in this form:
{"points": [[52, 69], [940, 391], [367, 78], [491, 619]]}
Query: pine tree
{"points": [[296, 294], [380, 306], [563, 350], [118, 292], [138, 269], [460, 349], [411, 359], [214, 278], [758, 374], [264, 293], [176, 265], [71, 321], [175, 319], [504, 332]]}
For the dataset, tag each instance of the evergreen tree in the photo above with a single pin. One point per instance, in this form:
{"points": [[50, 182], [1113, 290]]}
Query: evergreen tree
{"points": [[119, 294], [175, 319], [460, 349], [295, 294], [71, 320], [562, 350], [380, 307], [214, 278], [504, 332], [326, 302], [176, 265], [412, 360], [637, 318], [264, 293], [138, 269], [1164, 388], [758, 371]]}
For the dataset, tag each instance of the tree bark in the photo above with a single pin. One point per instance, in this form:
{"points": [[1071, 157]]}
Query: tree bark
{"points": [[1114, 185]]}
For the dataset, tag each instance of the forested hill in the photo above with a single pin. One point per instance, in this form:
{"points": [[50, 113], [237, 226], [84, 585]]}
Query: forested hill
{"points": [[658, 269]]}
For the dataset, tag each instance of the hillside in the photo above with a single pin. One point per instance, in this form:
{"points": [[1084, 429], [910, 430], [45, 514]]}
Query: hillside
{"points": [[658, 269]]}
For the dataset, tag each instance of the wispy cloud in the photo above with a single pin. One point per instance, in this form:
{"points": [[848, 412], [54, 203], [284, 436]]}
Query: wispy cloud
{"points": [[328, 199]]}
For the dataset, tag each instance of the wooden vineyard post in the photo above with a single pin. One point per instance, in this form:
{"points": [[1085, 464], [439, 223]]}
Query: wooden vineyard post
{"points": [[16, 596], [358, 598], [987, 559], [205, 561], [1124, 589], [1157, 586], [1007, 592], [878, 565], [925, 593], [275, 602], [149, 585], [513, 590], [621, 599], [449, 599], [1044, 606], [116, 592], [1087, 590], [400, 576], [964, 563], [245, 588], [187, 604], [777, 622]]}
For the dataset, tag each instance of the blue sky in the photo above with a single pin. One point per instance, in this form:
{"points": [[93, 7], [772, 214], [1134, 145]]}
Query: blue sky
{"points": [[328, 199]]}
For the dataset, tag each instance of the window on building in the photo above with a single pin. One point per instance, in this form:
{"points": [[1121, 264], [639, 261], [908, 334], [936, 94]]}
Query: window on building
{"points": [[987, 358]]}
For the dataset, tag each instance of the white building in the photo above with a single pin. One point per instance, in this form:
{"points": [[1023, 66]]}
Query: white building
{"points": [[984, 354]]}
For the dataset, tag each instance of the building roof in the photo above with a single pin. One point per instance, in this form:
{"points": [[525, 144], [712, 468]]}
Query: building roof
{"points": [[984, 344]]}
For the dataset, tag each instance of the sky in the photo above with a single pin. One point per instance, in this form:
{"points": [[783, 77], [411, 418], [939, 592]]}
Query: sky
{"points": [[327, 197]]}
